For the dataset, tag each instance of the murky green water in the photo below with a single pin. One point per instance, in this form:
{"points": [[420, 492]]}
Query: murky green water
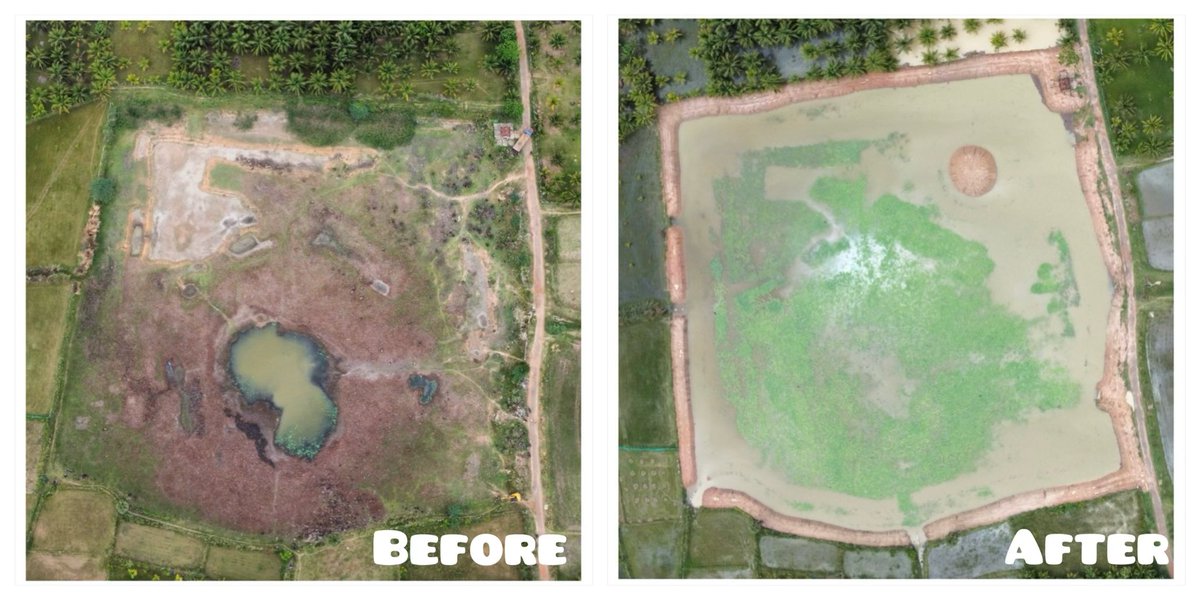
{"points": [[286, 369]]}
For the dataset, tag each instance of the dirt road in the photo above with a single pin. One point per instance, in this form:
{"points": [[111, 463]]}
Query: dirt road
{"points": [[1131, 313], [537, 501]]}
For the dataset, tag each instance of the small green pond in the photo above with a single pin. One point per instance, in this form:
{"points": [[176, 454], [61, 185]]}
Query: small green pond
{"points": [[286, 369]]}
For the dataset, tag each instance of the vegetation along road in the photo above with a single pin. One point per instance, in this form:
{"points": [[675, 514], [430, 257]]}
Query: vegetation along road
{"points": [[1118, 207], [534, 356]]}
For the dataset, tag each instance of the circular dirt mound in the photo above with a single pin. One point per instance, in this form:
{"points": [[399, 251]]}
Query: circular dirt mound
{"points": [[973, 170]]}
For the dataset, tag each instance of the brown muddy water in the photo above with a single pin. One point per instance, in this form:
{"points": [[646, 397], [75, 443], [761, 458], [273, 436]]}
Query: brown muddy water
{"points": [[288, 370], [1037, 192]]}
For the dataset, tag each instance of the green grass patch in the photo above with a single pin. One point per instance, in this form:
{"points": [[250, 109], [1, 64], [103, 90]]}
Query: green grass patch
{"points": [[46, 308], [60, 161], [225, 176], [1058, 282], [723, 538], [561, 410], [243, 565], [644, 380]]}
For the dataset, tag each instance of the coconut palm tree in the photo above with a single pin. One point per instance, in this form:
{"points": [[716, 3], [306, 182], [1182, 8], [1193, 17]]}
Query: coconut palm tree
{"points": [[1165, 49], [387, 71], [1114, 36], [295, 83], [341, 81], [948, 31], [952, 54], [930, 57], [972, 25], [999, 40], [904, 44], [318, 82], [1161, 27], [1152, 125], [928, 36], [1143, 55], [430, 69], [1019, 35]]}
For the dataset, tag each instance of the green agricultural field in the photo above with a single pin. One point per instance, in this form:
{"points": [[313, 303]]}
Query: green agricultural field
{"points": [[655, 550], [642, 220], [1123, 512], [560, 405], [508, 521], [46, 306], [644, 379], [61, 153], [723, 538], [651, 486], [73, 521], [242, 565], [1135, 71], [898, 300], [159, 546]]}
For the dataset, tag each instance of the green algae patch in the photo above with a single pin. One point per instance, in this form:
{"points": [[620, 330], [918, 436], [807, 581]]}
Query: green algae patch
{"points": [[857, 337], [286, 369]]}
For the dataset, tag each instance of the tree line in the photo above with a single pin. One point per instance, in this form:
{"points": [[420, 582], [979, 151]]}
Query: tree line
{"points": [[71, 62]]}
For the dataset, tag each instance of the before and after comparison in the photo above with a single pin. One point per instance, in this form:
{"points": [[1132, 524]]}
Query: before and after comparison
{"points": [[618, 303]]}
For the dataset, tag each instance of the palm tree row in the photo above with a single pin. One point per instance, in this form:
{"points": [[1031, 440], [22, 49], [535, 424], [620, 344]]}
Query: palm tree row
{"points": [[734, 49], [313, 57]]}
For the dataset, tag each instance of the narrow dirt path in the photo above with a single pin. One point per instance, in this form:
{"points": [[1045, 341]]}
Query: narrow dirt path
{"points": [[466, 198], [1131, 313], [537, 500]]}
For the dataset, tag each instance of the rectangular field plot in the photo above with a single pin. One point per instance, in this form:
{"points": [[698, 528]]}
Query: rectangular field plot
{"points": [[46, 307], [561, 396], [43, 566], [76, 522], [722, 538], [797, 554], [158, 546], [647, 409], [654, 550], [651, 486], [973, 554], [242, 565], [61, 154], [878, 563]]}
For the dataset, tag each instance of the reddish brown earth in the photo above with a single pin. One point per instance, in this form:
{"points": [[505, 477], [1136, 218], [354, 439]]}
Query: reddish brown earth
{"points": [[384, 446]]}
